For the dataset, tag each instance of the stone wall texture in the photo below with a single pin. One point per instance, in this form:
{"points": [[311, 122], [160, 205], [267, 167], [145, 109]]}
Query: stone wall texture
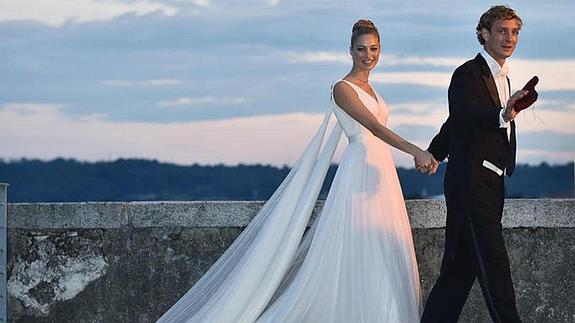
{"points": [[129, 262]]}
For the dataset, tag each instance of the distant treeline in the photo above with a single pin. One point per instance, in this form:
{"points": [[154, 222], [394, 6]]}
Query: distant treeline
{"points": [[64, 180]]}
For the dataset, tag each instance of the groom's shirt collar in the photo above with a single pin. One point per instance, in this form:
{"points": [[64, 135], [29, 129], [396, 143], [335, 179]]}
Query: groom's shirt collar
{"points": [[494, 67], [499, 76]]}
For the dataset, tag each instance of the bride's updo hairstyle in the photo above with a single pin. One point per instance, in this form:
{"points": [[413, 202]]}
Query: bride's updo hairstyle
{"points": [[362, 27]]}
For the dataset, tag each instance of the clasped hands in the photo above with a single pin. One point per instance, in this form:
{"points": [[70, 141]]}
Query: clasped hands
{"points": [[426, 163]]}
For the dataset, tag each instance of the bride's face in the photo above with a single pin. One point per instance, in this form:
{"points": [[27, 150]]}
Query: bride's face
{"points": [[365, 52]]}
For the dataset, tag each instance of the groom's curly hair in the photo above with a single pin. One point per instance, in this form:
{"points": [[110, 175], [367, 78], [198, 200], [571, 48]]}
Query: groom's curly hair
{"points": [[494, 13]]}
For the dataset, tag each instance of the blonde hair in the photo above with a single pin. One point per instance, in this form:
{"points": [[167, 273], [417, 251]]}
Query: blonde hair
{"points": [[362, 27]]}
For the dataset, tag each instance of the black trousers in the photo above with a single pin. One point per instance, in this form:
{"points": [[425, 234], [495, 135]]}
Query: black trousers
{"points": [[478, 253]]}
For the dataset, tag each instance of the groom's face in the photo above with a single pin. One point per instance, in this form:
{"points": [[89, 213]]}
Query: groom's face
{"points": [[501, 40]]}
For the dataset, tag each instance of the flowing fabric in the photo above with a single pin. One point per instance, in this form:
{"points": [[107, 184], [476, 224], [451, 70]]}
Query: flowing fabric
{"points": [[356, 263]]}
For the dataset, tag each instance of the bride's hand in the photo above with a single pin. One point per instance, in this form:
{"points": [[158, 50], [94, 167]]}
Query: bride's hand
{"points": [[423, 161]]}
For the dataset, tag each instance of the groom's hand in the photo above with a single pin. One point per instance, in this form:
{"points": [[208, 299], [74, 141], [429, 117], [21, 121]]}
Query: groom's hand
{"points": [[432, 169], [510, 112]]}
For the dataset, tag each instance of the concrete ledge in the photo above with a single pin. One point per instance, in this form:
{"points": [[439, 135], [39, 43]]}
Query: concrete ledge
{"points": [[541, 213], [130, 261], [67, 215]]}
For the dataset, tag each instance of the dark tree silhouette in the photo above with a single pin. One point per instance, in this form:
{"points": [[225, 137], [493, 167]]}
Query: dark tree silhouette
{"points": [[66, 180]]}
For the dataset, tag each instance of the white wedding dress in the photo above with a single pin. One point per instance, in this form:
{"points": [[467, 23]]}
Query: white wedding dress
{"points": [[357, 262]]}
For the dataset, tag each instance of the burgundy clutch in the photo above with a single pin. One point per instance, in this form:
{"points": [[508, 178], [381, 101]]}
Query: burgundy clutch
{"points": [[526, 101]]}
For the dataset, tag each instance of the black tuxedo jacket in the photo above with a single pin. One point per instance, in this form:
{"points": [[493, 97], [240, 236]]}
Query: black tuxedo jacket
{"points": [[472, 132], [470, 135]]}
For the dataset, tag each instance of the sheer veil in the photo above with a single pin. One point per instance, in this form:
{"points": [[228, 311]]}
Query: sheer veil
{"points": [[265, 256]]}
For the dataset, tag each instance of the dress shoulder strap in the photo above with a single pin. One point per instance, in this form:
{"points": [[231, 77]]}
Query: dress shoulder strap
{"points": [[353, 86]]}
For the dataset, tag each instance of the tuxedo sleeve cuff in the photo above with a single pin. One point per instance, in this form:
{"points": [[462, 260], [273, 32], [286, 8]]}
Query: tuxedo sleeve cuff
{"points": [[502, 123]]}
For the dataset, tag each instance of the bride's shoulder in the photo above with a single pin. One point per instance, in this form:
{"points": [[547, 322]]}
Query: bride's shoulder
{"points": [[343, 91]]}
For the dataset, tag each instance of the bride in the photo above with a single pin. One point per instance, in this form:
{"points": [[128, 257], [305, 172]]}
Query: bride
{"points": [[357, 262]]}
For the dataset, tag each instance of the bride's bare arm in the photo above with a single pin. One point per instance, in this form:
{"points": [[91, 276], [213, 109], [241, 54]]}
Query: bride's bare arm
{"points": [[346, 98]]}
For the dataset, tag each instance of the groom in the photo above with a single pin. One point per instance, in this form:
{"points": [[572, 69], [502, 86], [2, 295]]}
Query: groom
{"points": [[479, 138]]}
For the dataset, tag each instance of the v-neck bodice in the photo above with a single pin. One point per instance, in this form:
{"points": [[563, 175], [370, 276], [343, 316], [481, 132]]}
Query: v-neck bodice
{"points": [[374, 96]]}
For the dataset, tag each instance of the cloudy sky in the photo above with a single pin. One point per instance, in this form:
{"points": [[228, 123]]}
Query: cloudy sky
{"points": [[209, 82]]}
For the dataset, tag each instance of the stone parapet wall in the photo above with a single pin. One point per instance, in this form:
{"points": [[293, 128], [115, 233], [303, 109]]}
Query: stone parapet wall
{"points": [[129, 261]]}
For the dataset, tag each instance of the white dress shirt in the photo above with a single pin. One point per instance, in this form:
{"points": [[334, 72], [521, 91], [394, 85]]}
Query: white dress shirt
{"points": [[499, 74]]}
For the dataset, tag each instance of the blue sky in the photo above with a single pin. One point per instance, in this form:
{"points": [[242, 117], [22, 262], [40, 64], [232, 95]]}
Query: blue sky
{"points": [[210, 82]]}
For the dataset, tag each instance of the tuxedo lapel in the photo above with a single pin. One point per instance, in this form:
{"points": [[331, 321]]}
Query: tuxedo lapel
{"points": [[488, 80]]}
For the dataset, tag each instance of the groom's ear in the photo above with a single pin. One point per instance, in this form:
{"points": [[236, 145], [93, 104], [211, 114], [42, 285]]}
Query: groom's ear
{"points": [[485, 33]]}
